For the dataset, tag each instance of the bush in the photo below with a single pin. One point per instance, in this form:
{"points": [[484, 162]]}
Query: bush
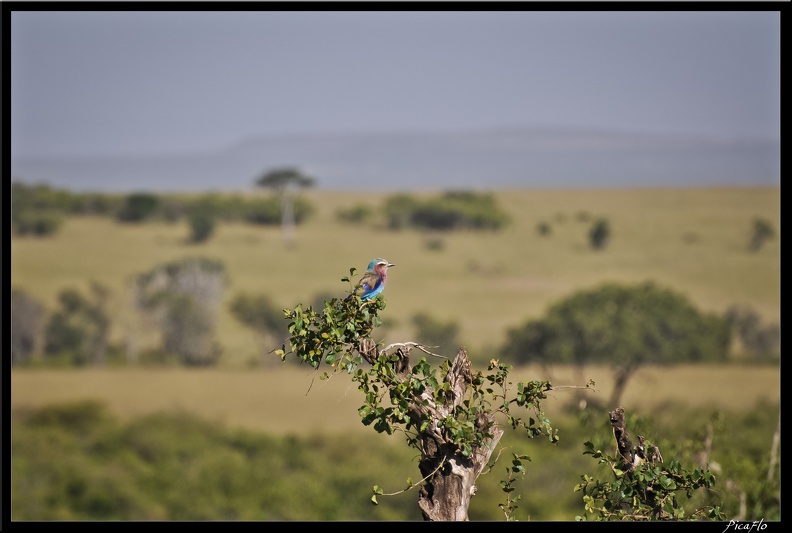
{"points": [[39, 224], [27, 315], [452, 210], [358, 214], [78, 331], [762, 231], [599, 234], [202, 225], [138, 207]]}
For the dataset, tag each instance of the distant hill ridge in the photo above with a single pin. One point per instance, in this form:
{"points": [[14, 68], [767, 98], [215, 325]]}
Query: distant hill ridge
{"points": [[484, 159]]}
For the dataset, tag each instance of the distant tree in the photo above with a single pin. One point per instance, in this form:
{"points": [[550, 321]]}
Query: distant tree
{"points": [[624, 326], [543, 229], [599, 234], [202, 225], [138, 207], [79, 329], [27, 317], [283, 181], [756, 339], [761, 232], [182, 298]]}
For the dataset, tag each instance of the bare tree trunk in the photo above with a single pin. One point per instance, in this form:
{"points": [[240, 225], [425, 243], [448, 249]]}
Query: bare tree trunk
{"points": [[774, 449], [622, 375], [633, 456], [287, 217], [450, 476]]}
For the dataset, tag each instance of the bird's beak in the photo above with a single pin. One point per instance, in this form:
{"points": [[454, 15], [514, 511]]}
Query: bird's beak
{"points": [[391, 265]]}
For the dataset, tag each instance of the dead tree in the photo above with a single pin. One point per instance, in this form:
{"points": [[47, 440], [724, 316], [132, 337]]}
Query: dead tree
{"points": [[450, 475]]}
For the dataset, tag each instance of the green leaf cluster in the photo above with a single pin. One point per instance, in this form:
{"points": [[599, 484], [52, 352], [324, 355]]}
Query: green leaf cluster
{"points": [[648, 491]]}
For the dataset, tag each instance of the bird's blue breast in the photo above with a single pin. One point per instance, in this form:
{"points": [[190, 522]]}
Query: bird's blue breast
{"points": [[372, 292]]}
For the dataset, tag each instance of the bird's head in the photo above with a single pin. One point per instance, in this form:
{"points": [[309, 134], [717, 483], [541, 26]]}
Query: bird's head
{"points": [[379, 265]]}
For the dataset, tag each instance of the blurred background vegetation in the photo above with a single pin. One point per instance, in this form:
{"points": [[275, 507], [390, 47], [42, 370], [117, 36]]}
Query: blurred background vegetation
{"points": [[606, 282]]}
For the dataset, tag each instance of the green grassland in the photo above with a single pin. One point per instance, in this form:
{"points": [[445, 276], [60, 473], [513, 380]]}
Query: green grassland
{"points": [[690, 240]]}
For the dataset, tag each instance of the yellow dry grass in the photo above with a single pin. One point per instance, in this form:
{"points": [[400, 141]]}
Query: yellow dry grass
{"points": [[293, 400]]}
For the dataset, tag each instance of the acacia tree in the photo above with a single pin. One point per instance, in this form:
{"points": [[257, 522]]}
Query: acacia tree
{"points": [[283, 181], [626, 326]]}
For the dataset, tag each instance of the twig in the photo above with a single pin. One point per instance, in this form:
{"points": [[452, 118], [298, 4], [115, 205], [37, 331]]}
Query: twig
{"points": [[413, 345], [412, 485]]}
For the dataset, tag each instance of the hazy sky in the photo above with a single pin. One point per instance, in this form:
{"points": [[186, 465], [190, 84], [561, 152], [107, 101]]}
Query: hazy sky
{"points": [[146, 81]]}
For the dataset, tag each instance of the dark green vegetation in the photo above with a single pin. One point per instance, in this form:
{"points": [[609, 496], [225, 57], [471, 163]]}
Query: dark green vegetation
{"points": [[40, 210], [77, 462], [625, 326]]}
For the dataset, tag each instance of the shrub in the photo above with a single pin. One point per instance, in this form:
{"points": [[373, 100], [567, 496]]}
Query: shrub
{"points": [[27, 315], [202, 225], [138, 207], [599, 234], [78, 331], [357, 214], [39, 224]]}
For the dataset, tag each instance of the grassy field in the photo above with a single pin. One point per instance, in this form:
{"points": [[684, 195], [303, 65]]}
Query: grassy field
{"points": [[690, 240], [292, 400]]}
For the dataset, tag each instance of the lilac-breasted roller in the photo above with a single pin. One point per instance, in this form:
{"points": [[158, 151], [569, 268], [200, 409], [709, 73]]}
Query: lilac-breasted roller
{"points": [[373, 281]]}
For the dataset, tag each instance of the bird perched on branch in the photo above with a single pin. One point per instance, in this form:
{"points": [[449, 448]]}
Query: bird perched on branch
{"points": [[373, 281]]}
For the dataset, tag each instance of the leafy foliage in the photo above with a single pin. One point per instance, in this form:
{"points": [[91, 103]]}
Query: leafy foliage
{"points": [[644, 487], [650, 491]]}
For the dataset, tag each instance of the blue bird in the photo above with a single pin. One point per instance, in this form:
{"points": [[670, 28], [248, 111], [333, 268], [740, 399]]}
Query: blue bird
{"points": [[373, 281]]}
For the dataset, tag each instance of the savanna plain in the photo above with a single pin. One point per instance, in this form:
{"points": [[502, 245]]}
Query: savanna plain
{"points": [[694, 241]]}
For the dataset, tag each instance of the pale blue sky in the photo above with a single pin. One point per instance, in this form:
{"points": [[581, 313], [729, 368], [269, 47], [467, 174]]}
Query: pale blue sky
{"points": [[89, 83]]}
